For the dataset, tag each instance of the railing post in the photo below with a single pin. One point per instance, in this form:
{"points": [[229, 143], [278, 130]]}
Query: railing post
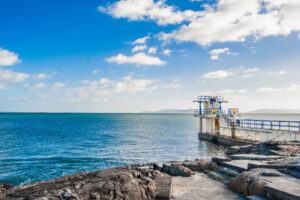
{"points": [[271, 125]]}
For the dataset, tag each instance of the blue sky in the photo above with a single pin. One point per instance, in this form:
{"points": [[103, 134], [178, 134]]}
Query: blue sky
{"points": [[136, 55]]}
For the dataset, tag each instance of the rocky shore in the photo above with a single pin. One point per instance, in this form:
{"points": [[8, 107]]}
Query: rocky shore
{"points": [[256, 171]]}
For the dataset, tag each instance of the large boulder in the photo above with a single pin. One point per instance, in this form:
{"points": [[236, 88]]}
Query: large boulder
{"points": [[252, 182], [177, 169], [123, 183], [200, 165]]}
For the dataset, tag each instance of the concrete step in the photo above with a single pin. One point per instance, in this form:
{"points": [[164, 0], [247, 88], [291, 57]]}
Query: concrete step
{"points": [[227, 171], [254, 157], [256, 197], [293, 173], [283, 188], [239, 165], [217, 176], [199, 186]]}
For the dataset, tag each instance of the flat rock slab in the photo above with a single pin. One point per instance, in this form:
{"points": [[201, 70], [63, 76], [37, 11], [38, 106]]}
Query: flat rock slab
{"points": [[198, 187], [254, 157], [283, 187], [240, 165]]}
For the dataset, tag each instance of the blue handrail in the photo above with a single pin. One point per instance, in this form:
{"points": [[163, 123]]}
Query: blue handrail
{"points": [[269, 124]]}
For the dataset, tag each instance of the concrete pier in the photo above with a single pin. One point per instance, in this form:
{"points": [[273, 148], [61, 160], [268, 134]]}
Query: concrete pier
{"points": [[227, 125]]}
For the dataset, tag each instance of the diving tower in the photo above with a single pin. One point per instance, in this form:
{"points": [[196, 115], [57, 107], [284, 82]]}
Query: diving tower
{"points": [[216, 121]]}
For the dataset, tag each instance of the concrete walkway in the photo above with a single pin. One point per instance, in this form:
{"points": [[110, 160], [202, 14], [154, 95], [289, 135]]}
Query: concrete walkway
{"points": [[199, 187]]}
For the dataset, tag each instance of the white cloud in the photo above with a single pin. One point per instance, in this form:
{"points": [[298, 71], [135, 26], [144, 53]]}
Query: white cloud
{"points": [[58, 85], [97, 90], [2, 87], [141, 40], [167, 52], [8, 58], [106, 87], [157, 11], [139, 48], [38, 86], [247, 72], [250, 70], [268, 89], [235, 20], [279, 72], [152, 50], [214, 54], [241, 72], [221, 74], [9, 76], [232, 91], [42, 76], [293, 88], [290, 88], [26, 85], [252, 50], [96, 71], [138, 59]]}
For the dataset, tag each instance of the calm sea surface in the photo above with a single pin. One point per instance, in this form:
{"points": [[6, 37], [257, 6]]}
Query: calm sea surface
{"points": [[43, 146]]}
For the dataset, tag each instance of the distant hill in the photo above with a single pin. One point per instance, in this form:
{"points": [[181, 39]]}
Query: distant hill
{"points": [[275, 111], [183, 111]]}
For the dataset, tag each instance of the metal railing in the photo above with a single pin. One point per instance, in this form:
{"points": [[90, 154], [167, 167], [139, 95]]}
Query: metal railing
{"points": [[209, 98], [210, 111], [269, 124]]}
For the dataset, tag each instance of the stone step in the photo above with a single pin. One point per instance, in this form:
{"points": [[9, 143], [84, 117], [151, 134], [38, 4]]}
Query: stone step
{"points": [[227, 171], [218, 177], [254, 157], [292, 173], [239, 165], [256, 197], [283, 188]]}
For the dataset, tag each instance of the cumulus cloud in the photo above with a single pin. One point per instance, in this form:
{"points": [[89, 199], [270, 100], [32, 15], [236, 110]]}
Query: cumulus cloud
{"points": [[220, 74], [138, 59], [42, 76], [167, 52], [141, 40], [241, 72], [235, 20], [8, 58], [157, 11], [152, 50], [9, 76], [97, 90], [38, 86], [214, 54], [106, 87], [58, 85], [139, 48]]}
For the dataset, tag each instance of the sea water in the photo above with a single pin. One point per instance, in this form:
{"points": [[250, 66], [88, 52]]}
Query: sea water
{"points": [[42, 146]]}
